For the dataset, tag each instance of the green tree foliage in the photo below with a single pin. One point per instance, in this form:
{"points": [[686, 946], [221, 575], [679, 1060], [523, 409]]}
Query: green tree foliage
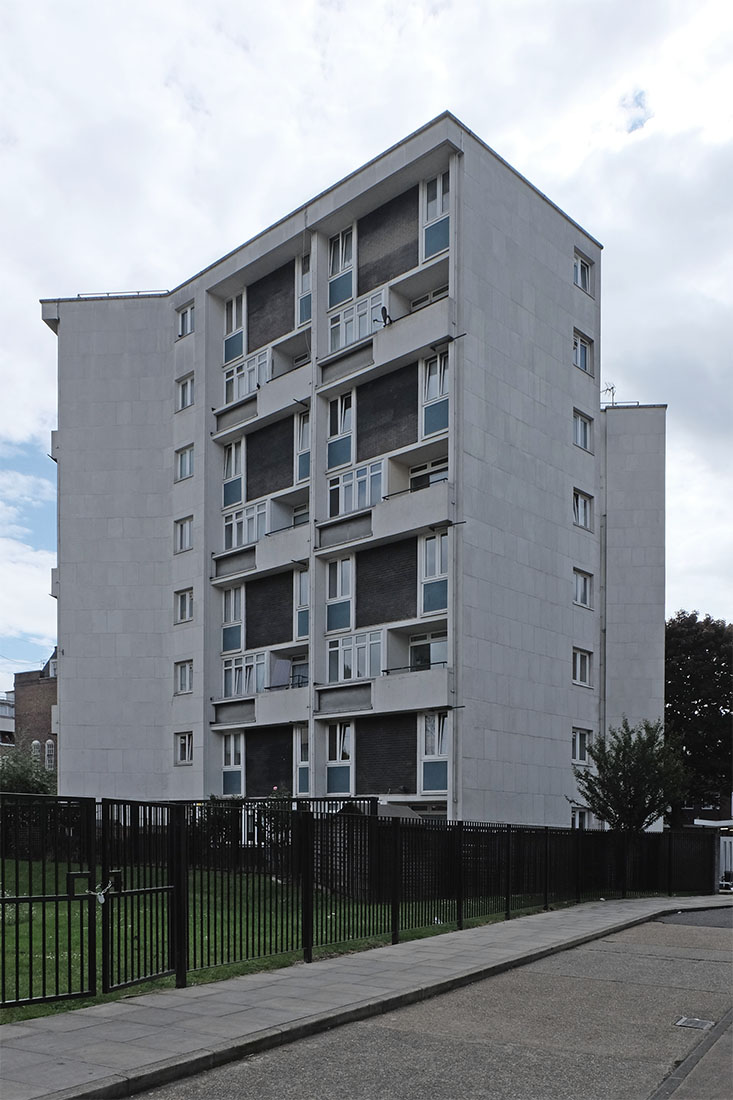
{"points": [[635, 778], [23, 773], [698, 712]]}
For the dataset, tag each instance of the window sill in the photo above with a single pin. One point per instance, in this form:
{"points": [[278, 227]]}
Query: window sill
{"points": [[585, 606], [580, 684]]}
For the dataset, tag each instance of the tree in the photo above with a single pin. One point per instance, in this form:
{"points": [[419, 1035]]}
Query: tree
{"points": [[635, 778], [698, 672], [23, 773]]}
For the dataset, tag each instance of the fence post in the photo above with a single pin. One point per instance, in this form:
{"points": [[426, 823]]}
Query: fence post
{"points": [[396, 878], [508, 861], [624, 863], [715, 854], [459, 874], [306, 855], [179, 900], [669, 862], [578, 866], [89, 805], [547, 868]]}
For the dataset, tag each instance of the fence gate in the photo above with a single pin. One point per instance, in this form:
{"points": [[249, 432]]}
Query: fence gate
{"points": [[143, 912], [48, 909]]}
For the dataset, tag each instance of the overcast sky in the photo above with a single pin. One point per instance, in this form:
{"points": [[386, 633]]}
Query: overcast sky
{"points": [[141, 142]]}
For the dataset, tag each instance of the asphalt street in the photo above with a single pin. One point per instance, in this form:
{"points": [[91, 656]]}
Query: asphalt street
{"points": [[598, 1022]]}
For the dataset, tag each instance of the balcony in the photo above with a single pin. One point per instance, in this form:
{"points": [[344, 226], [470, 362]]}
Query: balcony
{"points": [[415, 334], [405, 689]]}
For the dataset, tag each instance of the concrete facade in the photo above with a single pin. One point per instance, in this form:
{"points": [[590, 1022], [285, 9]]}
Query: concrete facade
{"points": [[484, 544]]}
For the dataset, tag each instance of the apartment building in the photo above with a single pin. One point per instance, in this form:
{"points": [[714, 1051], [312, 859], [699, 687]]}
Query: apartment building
{"points": [[342, 514]]}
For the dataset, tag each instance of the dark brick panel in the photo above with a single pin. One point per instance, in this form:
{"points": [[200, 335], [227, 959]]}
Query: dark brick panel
{"points": [[386, 754], [386, 583], [270, 459], [35, 695], [271, 307], [388, 241], [268, 609], [386, 413], [268, 760]]}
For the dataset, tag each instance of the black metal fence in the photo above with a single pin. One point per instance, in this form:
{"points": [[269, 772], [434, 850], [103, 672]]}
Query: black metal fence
{"points": [[123, 892]]}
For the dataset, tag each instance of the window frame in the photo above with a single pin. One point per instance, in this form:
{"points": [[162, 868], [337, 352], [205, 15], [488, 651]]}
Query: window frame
{"points": [[183, 598], [340, 737], [356, 322], [345, 487], [440, 754], [302, 447], [248, 671], [302, 761], [303, 289], [427, 639], [583, 586], [233, 471], [345, 265], [441, 569], [184, 463], [583, 273], [183, 740], [234, 318], [583, 431], [186, 320], [342, 418], [49, 755], [340, 587], [427, 470], [582, 510], [582, 667], [233, 759], [581, 739], [232, 617], [239, 522], [183, 535], [184, 392], [183, 677], [356, 647], [442, 212], [442, 397], [582, 352], [246, 375], [301, 611]]}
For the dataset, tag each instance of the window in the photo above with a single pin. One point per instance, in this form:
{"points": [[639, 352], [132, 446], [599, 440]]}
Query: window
{"points": [[428, 473], [340, 264], [581, 741], [355, 489], [301, 758], [302, 446], [246, 377], [437, 221], [301, 514], [356, 657], [582, 661], [231, 633], [183, 677], [183, 533], [184, 393], [301, 579], [435, 394], [245, 526], [183, 748], [232, 487], [582, 273], [338, 765], [430, 296], [303, 279], [579, 818], [583, 588], [355, 322], [185, 320], [299, 676], [435, 573], [232, 770], [36, 749], [49, 760], [233, 328], [582, 510], [340, 421], [338, 595], [434, 751], [183, 605], [245, 675], [184, 463], [428, 651], [582, 429], [582, 353]]}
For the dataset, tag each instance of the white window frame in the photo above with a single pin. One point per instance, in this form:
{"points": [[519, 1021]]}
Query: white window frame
{"points": [[234, 311], [303, 290], [579, 817], [583, 273], [301, 760], [245, 526], [582, 430], [582, 510], [356, 322], [183, 535], [36, 749], [184, 393], [582, 588], [582, 353], [233, 471], [434, 747], [49, 755], [439, 212], [581, 739], [183, 605], [244, 676], [340, 752], [301, 603], [341, 256], [428, 298], [582, 668], [355, 490], [183, 677], [183, 748], [232, 755], [245, 377], [301, 514], [341, 424], [302, 678], [302, 446], [340, 589], [434, 370], [434, 471], [184, 463], [434, 551], [186, 321], [232, 615], [416, 640], [355, 657]]}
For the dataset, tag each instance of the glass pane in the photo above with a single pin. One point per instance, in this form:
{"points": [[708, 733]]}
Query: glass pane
{"points": [[231, 783], [436, 417], [435, 595], [339, 290], [337, 779], [231, 638], [304, 465], [429, 748], [436, 237], [233, 347], [338, 615], [303, 781], [435, 775], [302, 624], [304, 313], [420, 656], [431, 195], [339, 452], [232, 491]]}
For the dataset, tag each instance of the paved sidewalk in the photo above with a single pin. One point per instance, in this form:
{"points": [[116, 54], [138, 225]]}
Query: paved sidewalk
{"points": [[123, 1047]]}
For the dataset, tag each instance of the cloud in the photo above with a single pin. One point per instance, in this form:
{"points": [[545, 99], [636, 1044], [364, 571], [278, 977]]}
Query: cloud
{"points": [[637, 111], [26, 609]]}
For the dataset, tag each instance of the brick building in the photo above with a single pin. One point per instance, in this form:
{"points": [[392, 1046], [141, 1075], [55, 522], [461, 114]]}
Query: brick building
{"points": [[35, 712]]}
